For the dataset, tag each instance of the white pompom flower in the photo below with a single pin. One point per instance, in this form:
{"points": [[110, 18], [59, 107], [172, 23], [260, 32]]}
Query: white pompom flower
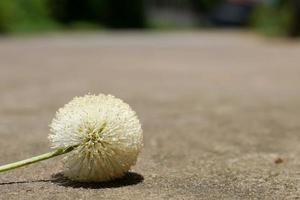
{"points": [[105, 132]]}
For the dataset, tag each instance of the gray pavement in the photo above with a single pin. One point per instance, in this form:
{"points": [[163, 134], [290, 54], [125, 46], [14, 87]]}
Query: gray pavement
{"points": [[220, 112]]}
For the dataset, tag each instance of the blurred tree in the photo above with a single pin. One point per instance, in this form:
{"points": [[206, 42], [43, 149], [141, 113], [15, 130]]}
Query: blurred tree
{"points": [[204, 9], [204, 6], [24, 15], [97, 10], [126, 14], [278, 17], [295, 24], [66, 11], [112, 13]]}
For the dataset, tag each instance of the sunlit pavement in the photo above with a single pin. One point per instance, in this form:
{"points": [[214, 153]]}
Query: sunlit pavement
{"points": [[220, 112]]}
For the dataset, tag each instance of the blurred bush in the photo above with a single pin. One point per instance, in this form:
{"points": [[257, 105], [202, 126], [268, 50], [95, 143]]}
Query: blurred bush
{"points": [[24, 16], [40, 15], [278, 18], [272, 17]]}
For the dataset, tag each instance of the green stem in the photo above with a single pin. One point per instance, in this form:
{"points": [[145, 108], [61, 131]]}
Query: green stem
{"points": [[29, 161]]}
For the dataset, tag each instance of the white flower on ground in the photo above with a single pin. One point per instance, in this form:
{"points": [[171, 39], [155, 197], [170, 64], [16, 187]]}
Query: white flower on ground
{"points": [[107, 135]]}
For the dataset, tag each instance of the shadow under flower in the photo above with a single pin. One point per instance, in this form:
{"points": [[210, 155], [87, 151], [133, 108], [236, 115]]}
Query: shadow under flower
{"points": [[130, 178]]}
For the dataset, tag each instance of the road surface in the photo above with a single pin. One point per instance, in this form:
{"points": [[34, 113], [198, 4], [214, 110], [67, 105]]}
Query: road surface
{"points": [[220, 112]]}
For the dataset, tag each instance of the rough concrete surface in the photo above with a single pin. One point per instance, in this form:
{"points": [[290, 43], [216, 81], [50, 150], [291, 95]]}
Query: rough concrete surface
{"points": [[220, 112]]}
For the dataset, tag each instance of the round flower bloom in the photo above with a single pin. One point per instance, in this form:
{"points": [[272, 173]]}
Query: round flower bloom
{"points": [[105, 132]]}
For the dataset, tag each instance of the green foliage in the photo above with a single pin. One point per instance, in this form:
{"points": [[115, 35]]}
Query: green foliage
{"points": [[40, 15], [274, 20], [24, 16]]}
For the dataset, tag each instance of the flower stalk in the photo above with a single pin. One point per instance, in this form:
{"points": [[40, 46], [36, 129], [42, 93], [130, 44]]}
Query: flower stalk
{"points": [[35, 159]]}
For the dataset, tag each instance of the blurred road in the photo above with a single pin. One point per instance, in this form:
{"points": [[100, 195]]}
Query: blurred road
{"points": [[220, 112]]}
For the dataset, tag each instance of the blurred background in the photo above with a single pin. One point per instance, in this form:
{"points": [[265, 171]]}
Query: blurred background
{"points": [[270, 17]]}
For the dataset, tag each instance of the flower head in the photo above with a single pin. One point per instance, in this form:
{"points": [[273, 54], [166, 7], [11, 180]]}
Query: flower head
{"points": [[106, 133]]}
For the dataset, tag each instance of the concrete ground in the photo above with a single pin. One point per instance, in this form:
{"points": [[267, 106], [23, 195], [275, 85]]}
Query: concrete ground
{"points": [[220, 112]]}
